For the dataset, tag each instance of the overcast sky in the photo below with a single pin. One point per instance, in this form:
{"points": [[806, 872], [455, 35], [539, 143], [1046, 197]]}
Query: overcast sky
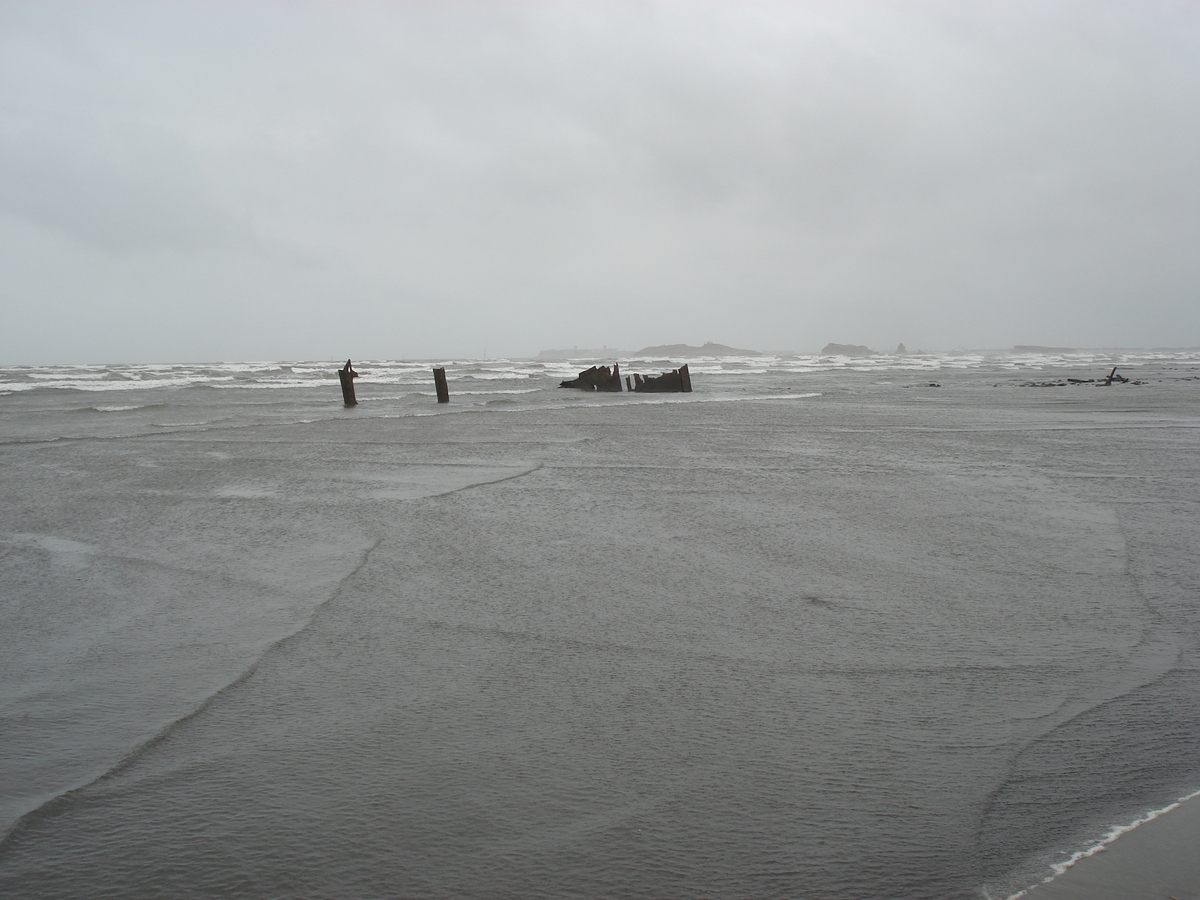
{"points": [[199, 181]]}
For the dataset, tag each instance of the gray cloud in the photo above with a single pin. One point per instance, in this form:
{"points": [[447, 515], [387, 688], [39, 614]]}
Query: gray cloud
{"points": [[503, 177], [115, 186]]}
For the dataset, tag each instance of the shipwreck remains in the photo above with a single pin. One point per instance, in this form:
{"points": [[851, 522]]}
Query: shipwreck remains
{"points": [[439, 384], [597, 378], [1105, 381], [601, 378], [346, 376], [677, 381]]}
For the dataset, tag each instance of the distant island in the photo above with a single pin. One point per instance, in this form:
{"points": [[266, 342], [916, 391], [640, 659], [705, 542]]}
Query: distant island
{"points": [[846, 350], [709, 349], [577, 353], [663, 350]]}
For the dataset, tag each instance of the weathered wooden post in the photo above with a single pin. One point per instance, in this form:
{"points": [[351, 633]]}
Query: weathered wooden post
{"points": [[685, 379], [439, 382], [346, 376]]}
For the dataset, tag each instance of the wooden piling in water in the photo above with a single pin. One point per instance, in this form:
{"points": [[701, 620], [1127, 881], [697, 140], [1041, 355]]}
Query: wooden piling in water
{"points": [[346, 376], [439, 382], [685, 379]]}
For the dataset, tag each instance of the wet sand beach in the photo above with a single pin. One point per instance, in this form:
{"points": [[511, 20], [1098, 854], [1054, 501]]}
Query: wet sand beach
{"points": [[906, 629]]}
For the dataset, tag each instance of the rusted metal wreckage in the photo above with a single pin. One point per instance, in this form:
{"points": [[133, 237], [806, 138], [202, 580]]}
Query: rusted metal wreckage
{"points": [[601, 378], [677, 381], [597, 378]]}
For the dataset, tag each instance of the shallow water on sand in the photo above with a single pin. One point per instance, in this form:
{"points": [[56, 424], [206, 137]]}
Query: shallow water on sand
{"points": [[837, 633]]}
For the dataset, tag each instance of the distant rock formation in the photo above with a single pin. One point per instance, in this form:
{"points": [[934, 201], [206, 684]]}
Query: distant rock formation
{"points": [[665, 350], [900, 351], [846, 350], [709, 349]]}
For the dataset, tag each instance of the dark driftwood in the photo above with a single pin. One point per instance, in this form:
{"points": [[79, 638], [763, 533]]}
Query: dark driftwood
{"points": [[1113, 376], [346, 376], [677, 381], [439, 384], [597, 378]]}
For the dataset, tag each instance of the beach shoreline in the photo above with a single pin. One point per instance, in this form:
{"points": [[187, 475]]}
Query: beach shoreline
{"points": [[1155, 856]]}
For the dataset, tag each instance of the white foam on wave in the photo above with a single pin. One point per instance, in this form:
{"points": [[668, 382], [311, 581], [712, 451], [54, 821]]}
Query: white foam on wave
{"points": [[100, 386], [269, 385], [316, 374], [652, 399], [1111, 835], [62, 376], [803, 396]]}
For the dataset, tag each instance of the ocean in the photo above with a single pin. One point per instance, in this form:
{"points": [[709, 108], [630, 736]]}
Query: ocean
{"points": [[898, 627]]}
